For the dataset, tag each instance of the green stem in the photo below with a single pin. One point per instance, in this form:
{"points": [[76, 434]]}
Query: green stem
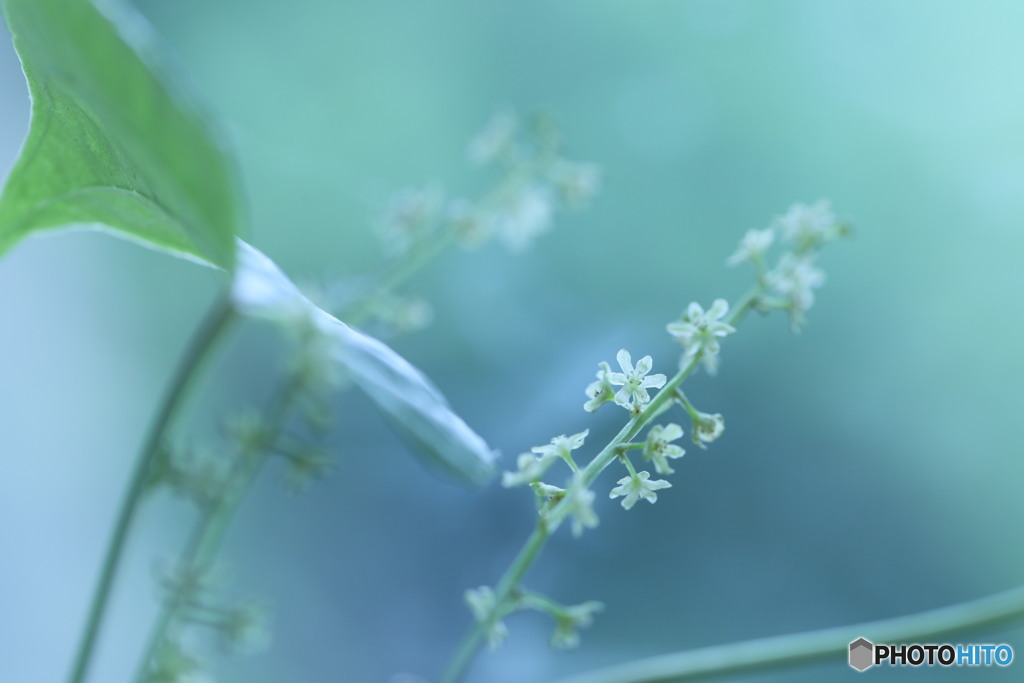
{"points": [[397, 272], [511, 579], [531, 549], [214, 325], [805, 648]]}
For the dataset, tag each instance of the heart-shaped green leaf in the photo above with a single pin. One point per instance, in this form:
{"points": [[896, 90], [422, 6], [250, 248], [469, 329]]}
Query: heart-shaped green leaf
{"points": [[114, 142], [411, 402]]}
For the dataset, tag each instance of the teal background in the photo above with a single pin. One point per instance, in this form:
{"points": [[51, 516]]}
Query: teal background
{"points": [[870, 467]]}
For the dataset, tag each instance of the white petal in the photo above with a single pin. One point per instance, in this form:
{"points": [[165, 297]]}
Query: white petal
{"points": [[625, 361]]}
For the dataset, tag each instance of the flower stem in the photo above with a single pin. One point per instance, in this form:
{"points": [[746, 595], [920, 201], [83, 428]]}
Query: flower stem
{"points": [[549, 522], [806, 648], [213, 327]]}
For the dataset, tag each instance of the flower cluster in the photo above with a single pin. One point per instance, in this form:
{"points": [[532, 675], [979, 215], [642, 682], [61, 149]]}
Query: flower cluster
{"points": [[536, 181], [805, 228], [699, 332]]}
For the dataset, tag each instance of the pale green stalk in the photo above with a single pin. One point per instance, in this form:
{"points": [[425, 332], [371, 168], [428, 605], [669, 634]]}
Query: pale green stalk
{"points": [[200, 348], [813, 646]]}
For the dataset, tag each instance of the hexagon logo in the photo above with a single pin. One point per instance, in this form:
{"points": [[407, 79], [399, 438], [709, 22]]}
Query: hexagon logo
{"points": [[862, 654]]}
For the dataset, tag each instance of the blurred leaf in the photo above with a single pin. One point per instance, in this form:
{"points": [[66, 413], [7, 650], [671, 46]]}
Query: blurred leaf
{"points": [[114, 142], [413, 404]]}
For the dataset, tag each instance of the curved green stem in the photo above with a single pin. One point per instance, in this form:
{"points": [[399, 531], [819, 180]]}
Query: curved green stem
{"points": [[212, 328], [805, 648], [549, 522]]}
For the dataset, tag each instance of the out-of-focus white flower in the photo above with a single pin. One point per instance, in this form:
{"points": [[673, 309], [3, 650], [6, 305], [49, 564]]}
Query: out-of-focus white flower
{"points": [[699, 330], [577, 182], [753, 246], [522, 216], [795, 278], [483, 604], [494, 140], [807, 226], [570, 620], [532, 467], [408, 217]]}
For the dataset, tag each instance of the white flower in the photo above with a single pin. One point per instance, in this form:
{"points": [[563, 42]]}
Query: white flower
{"points": [[409, 216], [494, 140], [601, 391], [305, 466], [753, 246], [577, 183], [707, 428], [635, 487], [523, 216], [795, 278], [484, 607], [468, 222], [570, 620], [808, 226], [246, 628], [634, 381], [581, 507], [658, 446], [532, 467], [699, 330], [172, 663]]}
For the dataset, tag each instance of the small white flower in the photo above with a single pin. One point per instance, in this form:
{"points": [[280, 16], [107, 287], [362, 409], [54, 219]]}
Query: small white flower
{"points": [[172, 663], [468, 222], [636, 487], [532, 467], [699, 330], [483, 605], [795, 278], [577, 183], [601, 391], [568, 623], [808, 225], [753, 246], [409, 216], [707, 428], [522, 216], [658, 446], [529, 468], [305, 466], [581, 508], [562, 446], [634, 381], [494, 140], [246, 628]]}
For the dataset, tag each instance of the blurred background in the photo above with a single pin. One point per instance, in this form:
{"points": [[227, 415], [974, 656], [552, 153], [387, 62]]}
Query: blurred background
{"points": [[870, 467]]}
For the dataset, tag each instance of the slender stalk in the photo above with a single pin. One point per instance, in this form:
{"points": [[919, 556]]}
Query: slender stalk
{"points": [[549, 522], [398, 272], [214, 325], [805, 648]]}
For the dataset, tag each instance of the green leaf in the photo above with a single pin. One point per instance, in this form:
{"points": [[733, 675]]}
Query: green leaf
{"points": [[412, 403], [114, 142]]}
